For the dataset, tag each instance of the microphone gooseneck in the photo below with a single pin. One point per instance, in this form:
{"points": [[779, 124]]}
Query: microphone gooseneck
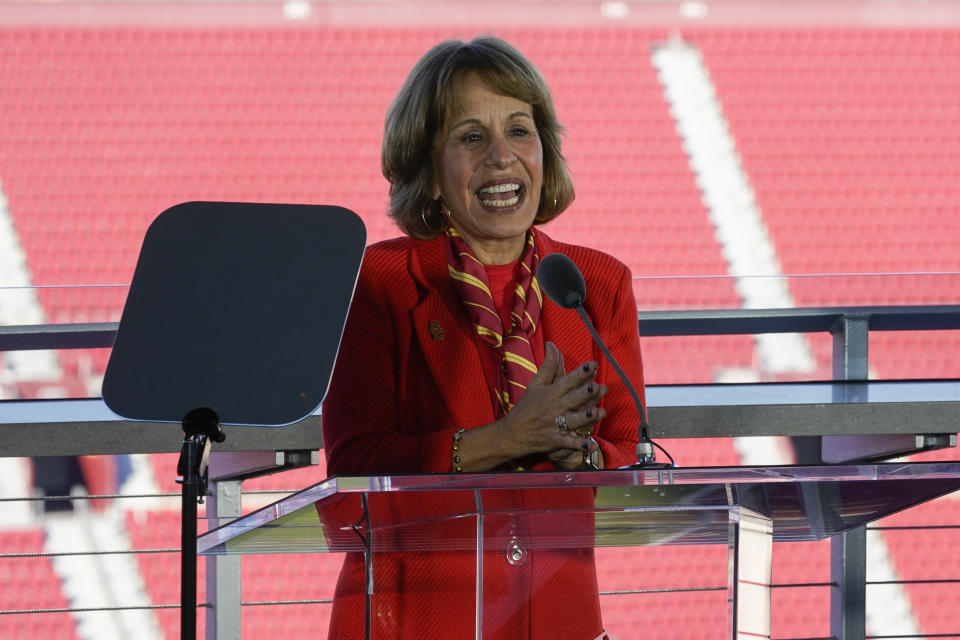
{"points": [[645, 451], [563, 283]]}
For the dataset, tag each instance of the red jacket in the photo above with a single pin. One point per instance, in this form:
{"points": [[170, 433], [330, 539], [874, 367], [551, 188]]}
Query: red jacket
{"points": [[408, 375]]}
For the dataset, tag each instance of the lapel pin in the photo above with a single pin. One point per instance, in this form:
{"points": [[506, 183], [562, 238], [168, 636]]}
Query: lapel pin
{"points": [[436, 330]]}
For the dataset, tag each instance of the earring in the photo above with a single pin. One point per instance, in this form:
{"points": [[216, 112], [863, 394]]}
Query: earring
{"points": [[423, 216], [543, 216]]}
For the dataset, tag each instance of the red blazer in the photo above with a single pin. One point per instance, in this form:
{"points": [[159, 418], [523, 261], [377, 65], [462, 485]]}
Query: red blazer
{"points": [[408, 375]]}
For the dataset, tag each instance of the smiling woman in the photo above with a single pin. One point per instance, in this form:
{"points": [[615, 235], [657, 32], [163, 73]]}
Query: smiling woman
{"points": [[433, 95], [452, 362], [489, 171]]}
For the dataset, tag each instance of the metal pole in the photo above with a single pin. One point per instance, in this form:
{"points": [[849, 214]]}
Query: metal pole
{"points": [[224, 571], [368, 557], [478, 596], [201, 428], [851, 347], [188, 538], [848, 550]]}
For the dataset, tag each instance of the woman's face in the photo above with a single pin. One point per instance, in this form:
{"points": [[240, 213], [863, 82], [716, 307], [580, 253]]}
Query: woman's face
{"points": [[488, 163]]}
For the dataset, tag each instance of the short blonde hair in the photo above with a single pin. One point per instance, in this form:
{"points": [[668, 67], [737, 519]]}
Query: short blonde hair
{"points": [[418, 112]]}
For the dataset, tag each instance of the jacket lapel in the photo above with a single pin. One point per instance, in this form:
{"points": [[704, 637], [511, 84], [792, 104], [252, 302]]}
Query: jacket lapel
{"points": [[445, 339], [563, 326]]}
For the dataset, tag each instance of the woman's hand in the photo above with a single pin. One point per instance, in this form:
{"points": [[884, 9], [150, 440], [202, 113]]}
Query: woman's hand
{"points": [[555, 409], [534, 425], [573, 459]]}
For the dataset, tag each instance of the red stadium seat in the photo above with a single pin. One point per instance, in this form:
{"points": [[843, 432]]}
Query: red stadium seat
{"points": [[849, 137], [31, 583]]}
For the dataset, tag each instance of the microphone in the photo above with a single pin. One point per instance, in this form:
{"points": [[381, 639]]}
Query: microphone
{"points": [[563, 283]]}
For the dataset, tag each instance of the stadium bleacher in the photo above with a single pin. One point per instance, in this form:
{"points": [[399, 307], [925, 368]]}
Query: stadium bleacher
{"points": [[31, 583], [161, 571], [849, 136]]}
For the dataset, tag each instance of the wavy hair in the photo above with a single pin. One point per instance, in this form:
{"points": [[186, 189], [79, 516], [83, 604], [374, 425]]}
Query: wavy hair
{"points": [[421, 106]]}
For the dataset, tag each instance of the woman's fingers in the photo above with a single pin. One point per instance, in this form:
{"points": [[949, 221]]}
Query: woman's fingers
{"points": [[558, 408], [561, 369], [551, 369], [578, 423], [570, 459], [544, 424], [586, 395], [580, 376], [573, 457], [553, 372]]}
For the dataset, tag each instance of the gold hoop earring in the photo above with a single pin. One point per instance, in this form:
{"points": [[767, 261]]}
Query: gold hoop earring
{"points": [[541, 217], [426, 224]]}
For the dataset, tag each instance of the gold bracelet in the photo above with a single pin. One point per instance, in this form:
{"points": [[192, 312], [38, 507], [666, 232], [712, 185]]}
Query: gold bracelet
{"points": [[457, 437]]}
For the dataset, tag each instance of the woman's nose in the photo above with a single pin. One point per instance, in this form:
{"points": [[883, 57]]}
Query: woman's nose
{"points": [[501, 155]]}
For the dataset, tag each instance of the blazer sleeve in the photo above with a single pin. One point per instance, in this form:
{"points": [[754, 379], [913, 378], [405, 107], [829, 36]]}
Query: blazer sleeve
{"points": [[361, 417], [617, 433]]}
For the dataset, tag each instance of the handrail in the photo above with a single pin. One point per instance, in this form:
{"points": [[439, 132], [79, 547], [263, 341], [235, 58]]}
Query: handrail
{"points": [[800, 320], [84, 426], [652, 324], [88, 335]]}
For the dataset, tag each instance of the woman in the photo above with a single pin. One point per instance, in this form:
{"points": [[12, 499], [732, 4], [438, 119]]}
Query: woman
{"points": [[437, 369]]}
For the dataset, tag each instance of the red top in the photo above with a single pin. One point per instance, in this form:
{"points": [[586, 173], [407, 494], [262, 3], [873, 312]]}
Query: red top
{"points": [[502, 280]]}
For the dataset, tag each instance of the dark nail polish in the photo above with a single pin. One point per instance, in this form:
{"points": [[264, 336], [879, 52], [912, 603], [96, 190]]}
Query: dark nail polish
{"points": [[585, 445], [586, 367], [589, 413], [589, 388]]}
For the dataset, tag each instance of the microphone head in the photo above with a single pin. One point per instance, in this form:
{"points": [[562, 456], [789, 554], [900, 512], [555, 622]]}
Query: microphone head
{"points": [[561, 280]]}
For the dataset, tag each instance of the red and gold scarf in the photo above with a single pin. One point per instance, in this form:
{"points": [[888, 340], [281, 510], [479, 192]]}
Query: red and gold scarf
{"points": [[514, 347]]}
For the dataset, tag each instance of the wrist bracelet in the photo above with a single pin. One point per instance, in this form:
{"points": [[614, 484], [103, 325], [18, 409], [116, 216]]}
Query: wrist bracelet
{"points": [[457, 437]]}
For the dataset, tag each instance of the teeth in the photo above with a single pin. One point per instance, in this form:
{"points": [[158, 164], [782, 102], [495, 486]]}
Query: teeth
{"points": [[509, 202], [500, 188]]}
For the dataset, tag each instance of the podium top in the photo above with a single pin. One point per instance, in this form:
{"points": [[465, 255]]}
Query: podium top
{"points": [[440, 512]]}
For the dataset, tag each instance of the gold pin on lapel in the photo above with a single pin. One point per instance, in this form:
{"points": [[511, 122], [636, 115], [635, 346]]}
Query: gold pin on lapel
{"points": [[436, 330]]}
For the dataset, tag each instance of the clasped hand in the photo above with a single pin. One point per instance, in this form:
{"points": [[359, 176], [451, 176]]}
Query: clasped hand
{"points": [[535, 422]]}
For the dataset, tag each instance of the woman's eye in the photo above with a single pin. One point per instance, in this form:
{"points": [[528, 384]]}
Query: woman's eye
{"points": [[472, 138], [519, 132]]}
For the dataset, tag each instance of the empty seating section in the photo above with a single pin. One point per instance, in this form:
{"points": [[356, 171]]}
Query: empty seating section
{"points": [[799, 612], [158, 533], [30, 583], [105, 128], [848, 136], [850, 139], [291, 577], [923, 555], [660, 571]]}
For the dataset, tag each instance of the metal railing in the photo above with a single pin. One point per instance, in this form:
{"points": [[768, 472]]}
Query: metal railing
{"points": [[37, 428]]}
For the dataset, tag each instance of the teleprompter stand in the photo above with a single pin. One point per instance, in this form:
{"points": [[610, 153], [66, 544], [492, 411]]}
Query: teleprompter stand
{"points": [[234, 317], [201, 428]]}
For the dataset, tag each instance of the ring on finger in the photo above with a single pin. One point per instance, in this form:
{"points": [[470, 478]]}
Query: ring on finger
{"points": [[561, 422]]}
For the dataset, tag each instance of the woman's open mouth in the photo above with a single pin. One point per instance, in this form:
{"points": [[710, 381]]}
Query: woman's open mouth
{"points": [[500, 196]]}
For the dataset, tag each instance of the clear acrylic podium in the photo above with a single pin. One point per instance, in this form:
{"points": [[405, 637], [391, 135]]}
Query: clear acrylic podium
{"points": [[745, 508]]}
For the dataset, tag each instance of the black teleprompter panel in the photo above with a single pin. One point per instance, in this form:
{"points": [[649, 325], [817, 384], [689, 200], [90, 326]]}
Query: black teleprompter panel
{"points": [[236, 307]]}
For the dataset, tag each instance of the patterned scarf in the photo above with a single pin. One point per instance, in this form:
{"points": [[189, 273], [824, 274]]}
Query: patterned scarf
{"points": [[472, 284]]}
